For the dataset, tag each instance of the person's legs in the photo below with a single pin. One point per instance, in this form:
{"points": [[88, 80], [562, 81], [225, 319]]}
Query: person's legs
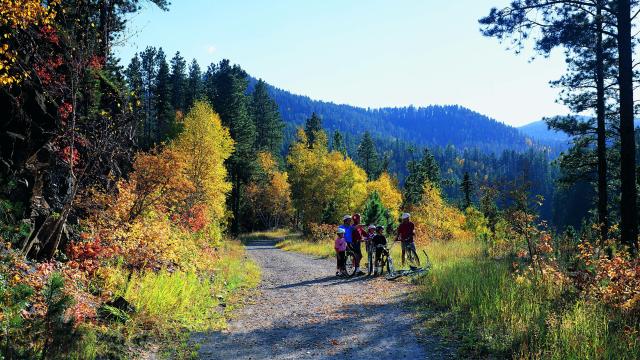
{"points": [[342, 262], [357, 250], [404, 249], [370, 256], [377, 262]]}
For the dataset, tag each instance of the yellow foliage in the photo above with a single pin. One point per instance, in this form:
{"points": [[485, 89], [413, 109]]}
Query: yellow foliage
{"points": [[269, 198], [437, 220], [19, 15], [168, 213], [320, 178], [387, 189], [205, 144]]}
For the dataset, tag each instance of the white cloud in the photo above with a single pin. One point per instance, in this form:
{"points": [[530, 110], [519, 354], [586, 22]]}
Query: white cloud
{"points": [[211, 49]]}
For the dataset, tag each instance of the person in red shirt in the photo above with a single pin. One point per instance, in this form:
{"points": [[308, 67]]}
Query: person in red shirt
{"points": [[358, 234], [406, 232]]}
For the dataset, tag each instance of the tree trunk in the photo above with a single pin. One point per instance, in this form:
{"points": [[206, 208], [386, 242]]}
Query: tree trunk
{"points": [[603, 218], [628, 211]]}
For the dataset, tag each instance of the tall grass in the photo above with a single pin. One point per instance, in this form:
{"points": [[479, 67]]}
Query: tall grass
{"points": [[179, 298], [511, 316], [192, 301]]}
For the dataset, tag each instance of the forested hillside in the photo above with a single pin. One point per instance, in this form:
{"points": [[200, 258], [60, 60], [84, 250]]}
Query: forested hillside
{"points": [[540, 131], [433, 126], [461, 141]]}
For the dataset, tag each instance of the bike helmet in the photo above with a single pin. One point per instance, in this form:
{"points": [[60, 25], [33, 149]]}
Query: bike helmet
{"points": [[346, 217], [380, 228], [341, 231], [372, 227], [406, 216]]}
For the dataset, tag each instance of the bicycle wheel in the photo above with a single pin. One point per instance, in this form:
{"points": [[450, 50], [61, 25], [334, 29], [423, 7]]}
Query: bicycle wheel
{"points": [[370, 256], [379, 264], [413, 259], [350, 263], [390, 268]]}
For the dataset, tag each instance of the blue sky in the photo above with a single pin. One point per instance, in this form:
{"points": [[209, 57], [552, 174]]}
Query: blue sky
{"points": [[369, 53]]}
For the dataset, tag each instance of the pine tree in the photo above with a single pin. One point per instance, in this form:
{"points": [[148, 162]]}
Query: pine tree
{"points": [[178, 82], [368, 156], [165, 114], [133, 74], [466, 190], [268, 123], [426, 169], [586, 33], [375, 212], [311, 127], [338, 143], [149, 73], [193, 89], [226, 86], [628, 204]]}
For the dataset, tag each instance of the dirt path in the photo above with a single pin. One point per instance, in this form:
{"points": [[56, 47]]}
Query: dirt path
{"points": [[304, 312]]}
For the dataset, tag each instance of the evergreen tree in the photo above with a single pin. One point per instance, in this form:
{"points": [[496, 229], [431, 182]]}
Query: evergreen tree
{"points": [[420, 171], [375, 212], [466, 190], [338, 143], [149, 73], [162, 100], [133, 74], [585, 32], [226, 86], [267, 120], [312, 126], [178, 82], [368, 156], [628, 204], [193, 89]]}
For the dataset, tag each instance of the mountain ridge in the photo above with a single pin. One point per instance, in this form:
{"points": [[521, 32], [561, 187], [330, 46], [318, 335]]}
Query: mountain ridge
{"points": [[432, 125]]}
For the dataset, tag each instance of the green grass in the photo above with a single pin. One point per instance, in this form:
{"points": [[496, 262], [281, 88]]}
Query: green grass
{"points": [[172, 304], [192, 301], [494, 313]]}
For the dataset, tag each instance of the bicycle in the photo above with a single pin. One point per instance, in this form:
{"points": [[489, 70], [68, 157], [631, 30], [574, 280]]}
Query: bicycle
{"points": [[385, 260], [350, 262], [370, 257], [411, 256]]}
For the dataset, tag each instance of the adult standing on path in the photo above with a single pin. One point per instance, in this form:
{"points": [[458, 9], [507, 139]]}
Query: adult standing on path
{"points": [[406, 232], [346, 226], [358, 234]]}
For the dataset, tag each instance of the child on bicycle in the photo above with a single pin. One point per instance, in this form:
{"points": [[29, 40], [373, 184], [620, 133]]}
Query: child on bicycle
{"points": [[340, 246], [379, 243]]}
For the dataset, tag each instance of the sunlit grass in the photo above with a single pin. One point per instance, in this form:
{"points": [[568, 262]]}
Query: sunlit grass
{"points": [[518, 318], [277, 234], [190, 301]]}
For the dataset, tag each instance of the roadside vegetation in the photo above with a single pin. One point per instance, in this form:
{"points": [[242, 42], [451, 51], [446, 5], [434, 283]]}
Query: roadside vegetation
{"points": [[150, 265], [549, 305]]}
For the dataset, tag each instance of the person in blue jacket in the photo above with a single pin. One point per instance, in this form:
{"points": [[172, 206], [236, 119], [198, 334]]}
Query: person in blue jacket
{"points": [[346, 226]]}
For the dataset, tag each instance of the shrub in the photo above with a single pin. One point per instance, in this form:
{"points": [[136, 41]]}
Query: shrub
{"points": [[320, 233], [436, 220]]}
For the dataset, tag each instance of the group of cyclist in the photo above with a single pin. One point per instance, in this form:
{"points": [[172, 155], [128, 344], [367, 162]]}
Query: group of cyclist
{"points": [[352, 234]]}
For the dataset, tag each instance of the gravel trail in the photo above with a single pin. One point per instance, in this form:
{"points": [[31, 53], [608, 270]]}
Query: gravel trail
{"points": [[303, 311]]}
